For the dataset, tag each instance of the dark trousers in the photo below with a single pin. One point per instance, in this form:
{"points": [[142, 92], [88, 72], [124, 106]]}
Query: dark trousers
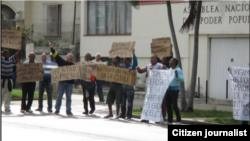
{"points": [[172, 96], [244, 122], [99, 89], [27, 88], [164, 107], [14, 79], [128, 95], [45, 85], [90, 99]]}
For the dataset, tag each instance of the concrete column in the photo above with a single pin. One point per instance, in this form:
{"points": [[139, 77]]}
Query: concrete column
{"points": [[29, 48]]}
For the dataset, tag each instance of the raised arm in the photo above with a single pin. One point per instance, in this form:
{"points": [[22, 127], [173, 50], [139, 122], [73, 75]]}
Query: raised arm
{"points": [[58, 59], [135, 61]]}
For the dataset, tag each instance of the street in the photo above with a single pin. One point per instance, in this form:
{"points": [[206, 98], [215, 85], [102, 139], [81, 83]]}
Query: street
{"points": [[44, 126]]}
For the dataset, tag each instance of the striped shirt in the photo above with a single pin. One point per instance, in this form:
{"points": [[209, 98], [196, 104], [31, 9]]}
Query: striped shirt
{"points": [[7, 66], [48, 66]]}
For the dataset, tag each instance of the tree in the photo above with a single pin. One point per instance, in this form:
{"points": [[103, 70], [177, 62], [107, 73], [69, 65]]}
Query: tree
{"points": [[194, 16], [177, 54]]}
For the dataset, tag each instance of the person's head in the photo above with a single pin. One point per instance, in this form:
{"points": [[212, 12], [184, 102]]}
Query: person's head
{"points": [[116, 60], [43, 57], [97, 57], [32, 56], [173, 62], [6, 54], [163, 60], [69, 57], [87, 57], [127, 61], [153, 59]]}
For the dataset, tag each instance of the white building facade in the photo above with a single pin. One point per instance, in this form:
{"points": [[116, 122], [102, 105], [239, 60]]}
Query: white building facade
{"points": [[223, 39]]}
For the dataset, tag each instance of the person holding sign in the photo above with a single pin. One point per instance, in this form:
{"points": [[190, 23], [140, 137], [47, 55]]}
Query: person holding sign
{"points": [[66, 85], [46, 83], [88, 89], [115, 93], [28, 88], [6, 77], [154, 65], [99, 82], [173, 91], [128, 91]]}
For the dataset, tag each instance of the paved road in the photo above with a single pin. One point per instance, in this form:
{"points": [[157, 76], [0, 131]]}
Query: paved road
{"points": [[48, 127]]}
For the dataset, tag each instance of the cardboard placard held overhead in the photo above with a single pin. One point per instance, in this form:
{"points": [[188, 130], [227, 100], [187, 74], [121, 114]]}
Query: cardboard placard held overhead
{"points": [[93, 65], [122, 49], [12, 39], [161, 47], [114, 74], [70, 73], [29, 72]]}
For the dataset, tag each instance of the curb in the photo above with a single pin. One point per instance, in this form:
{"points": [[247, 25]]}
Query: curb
{"points": [[187, 121]]}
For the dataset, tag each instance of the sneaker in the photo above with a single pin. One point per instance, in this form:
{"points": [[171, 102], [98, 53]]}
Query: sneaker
{"points": [[121, 116], [69, 113], [116, 117], [101, 100], [91, 111], [40, 110], [146, 121], [85, 113], [56, 112], [108, 116], [49, 110], [128, 118], [178, 123], [7, 110], [22, 111], [29, 111], [167, 123]]}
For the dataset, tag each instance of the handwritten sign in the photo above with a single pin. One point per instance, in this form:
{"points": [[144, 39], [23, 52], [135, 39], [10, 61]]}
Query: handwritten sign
{"points": [[122, 49], [115, 74], [12, 39], [93, 65], [29, 72], [240, 88], [71, 72], [161, 47], [157, 85]]}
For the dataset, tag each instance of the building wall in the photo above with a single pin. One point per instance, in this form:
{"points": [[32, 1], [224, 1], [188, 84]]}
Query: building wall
{"points": [[151, 21]]}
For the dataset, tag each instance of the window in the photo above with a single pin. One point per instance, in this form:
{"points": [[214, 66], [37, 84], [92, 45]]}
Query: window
{"points": [[53, 23], [109, 17]]}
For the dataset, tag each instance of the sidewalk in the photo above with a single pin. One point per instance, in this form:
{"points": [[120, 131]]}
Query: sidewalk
{"points": [[102, 108], [199, 103]]}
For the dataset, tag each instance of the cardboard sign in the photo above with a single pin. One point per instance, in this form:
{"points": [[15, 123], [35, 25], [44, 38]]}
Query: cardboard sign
{"points": [[71, 72], [29, 72], [240, 88], [157, 85], [93, 65], [161, 47], [122, 49], [12, 39], [115, 74]]}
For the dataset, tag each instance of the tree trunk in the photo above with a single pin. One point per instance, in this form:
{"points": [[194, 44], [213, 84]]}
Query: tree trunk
{"points": [[177, 54], [195, 59]]}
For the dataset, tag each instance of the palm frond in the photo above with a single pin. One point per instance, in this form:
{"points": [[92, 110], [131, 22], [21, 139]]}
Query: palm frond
{"points": [[135, 4], [190, 21]]}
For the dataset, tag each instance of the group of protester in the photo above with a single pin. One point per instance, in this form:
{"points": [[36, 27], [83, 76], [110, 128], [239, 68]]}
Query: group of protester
{"points": [[120, 93]]}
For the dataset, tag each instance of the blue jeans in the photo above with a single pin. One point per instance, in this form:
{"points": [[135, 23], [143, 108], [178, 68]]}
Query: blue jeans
{"points": [[45, 85], [64, 86], [99, 89], [14, 79], [128, 94]]}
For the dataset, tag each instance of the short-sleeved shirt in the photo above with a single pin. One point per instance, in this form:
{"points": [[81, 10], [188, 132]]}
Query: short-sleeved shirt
{"points": [[157, 66]]}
